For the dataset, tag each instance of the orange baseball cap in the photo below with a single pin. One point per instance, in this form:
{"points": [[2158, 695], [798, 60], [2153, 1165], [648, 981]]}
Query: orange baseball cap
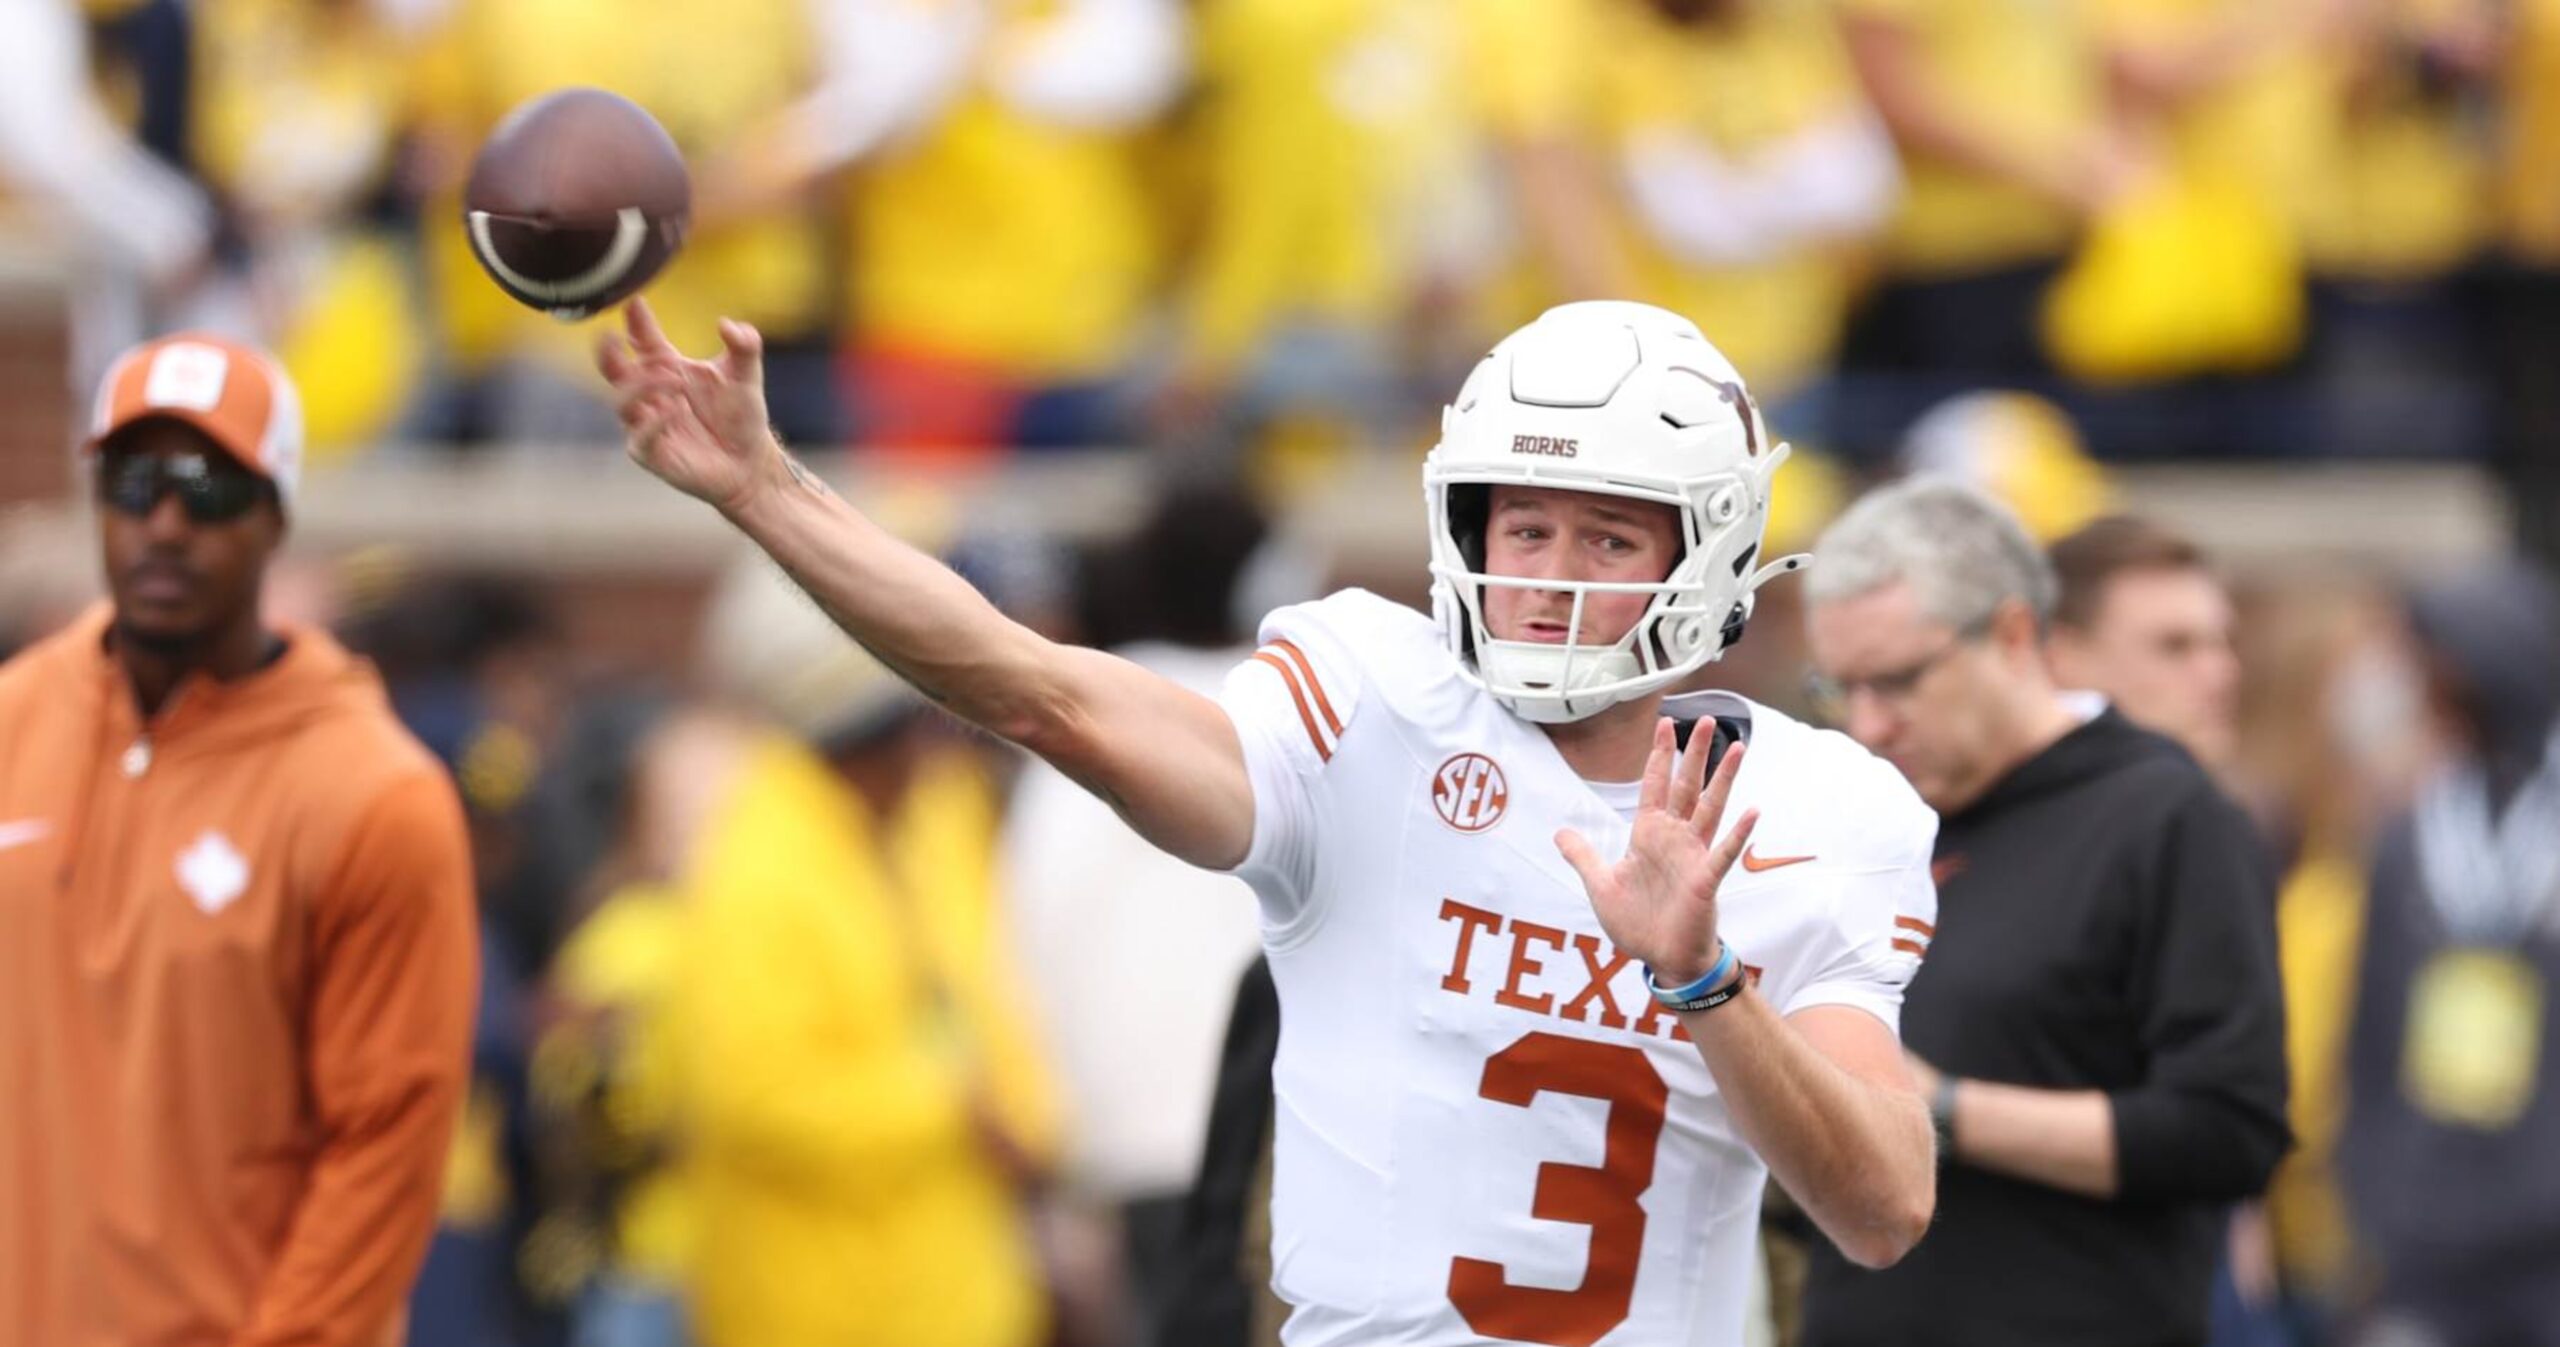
{"points": [[235, 393]]}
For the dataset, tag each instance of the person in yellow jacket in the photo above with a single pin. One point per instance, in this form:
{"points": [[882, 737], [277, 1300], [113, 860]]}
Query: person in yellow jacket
{"points": [[857, 1122]]}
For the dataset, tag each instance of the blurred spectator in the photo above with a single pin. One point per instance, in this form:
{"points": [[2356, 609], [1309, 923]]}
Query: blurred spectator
{"points": [[475, 669], [137, 229], [858, 1105], [2193, 268], [2328, 712], [467, 1290], [2394, 207], [1004, 244], [2140, 618], [293, 110], [1328, 144], [2020, 449], [1141, 950], [2000, 112], [1716, 157], [713, 72], [2098, 1022], [2452, 1114], [617, 1237]]}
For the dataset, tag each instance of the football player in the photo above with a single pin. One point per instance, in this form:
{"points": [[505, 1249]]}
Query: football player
{"points": [[1548, 1022]]}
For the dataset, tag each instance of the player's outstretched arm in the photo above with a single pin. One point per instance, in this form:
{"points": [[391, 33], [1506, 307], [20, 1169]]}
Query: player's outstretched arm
{"points": [[1166, 757], [1821, 1095]]}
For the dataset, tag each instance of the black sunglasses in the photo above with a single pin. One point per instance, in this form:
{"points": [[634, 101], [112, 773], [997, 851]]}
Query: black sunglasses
{"points": [[210, 488]]}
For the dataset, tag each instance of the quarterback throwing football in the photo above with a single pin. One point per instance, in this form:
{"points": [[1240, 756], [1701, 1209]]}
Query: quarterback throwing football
{"points": [[1543, 1037]]}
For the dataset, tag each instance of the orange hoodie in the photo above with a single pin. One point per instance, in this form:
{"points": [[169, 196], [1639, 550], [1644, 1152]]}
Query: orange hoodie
{"points": [[237, 971]]}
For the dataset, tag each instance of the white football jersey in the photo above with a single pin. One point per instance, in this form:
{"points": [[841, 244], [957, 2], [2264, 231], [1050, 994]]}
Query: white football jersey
{"points": [[1485, 1129]]}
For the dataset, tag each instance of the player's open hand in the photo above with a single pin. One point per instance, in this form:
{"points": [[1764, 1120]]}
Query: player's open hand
{"points": [[1659, 901], [699, 425]]}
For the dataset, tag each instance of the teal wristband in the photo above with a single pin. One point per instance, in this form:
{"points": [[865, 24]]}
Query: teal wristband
{"points": [[1702, 994]]}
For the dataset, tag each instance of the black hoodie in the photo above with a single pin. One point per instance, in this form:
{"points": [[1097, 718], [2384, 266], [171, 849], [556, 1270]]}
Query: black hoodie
{"points": [[2105, 922]]}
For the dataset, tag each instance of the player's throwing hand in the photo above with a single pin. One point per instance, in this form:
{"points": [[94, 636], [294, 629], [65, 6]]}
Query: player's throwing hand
{"points": [[698, 424], [1659, 901]]}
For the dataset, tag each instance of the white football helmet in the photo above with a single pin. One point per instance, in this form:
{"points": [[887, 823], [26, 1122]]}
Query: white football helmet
{"points": [[1626, 400]]}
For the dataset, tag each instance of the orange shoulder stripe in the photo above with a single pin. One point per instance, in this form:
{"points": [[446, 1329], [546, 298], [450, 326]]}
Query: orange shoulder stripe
{"points": [[1324, 752], [1314, 684]]}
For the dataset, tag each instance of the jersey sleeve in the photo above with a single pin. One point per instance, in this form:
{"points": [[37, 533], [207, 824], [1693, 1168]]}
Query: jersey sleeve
{"points": [[1291, 701], [1884, 913]]}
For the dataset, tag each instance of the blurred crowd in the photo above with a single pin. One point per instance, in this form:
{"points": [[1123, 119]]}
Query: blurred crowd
{"points": [[2208, 227]]}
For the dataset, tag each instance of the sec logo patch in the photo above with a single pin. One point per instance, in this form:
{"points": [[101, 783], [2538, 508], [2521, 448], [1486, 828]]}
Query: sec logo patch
{"points": [[1469, 792]]}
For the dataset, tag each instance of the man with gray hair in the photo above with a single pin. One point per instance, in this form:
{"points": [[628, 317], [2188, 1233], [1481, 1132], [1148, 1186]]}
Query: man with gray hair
{"points": [[2098, 1025]]}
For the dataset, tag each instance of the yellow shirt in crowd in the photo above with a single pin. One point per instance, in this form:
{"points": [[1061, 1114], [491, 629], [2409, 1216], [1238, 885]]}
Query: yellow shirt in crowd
{"points": [[2389, 180], [1327, 139], [1000, 238], [2027, 68], [832, 1061], [1609, 74]]}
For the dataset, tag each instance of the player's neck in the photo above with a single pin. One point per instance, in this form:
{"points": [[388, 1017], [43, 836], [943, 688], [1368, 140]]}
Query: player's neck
{"points": [[1610, 746]]}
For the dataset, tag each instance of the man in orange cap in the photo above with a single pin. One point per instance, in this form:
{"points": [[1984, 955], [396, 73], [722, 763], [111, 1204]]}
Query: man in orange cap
{"points": [[237, 954]]}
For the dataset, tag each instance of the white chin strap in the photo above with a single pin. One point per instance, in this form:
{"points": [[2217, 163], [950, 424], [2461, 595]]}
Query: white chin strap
{"points": [[1551, 684]]}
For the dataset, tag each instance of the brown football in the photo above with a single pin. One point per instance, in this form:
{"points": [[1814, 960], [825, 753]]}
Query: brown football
{"points": [[576, 201]]}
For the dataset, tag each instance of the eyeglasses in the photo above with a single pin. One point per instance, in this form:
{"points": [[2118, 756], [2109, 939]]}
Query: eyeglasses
{"points": [[1893, 688], [211, 490]]}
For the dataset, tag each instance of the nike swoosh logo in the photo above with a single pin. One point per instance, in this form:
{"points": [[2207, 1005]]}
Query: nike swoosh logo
{"points": [[19, 832], [1756, 863]]}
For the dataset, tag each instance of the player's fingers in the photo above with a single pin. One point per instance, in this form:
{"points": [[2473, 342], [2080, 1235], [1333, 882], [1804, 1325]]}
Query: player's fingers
{"points": [[1657, 768], [650, 338], [644, 389], [1585, 862], [1721, 857], [642, 412], [743, 351], [643, 434], [613, 357], [1692, 769], [706, 386], [1719, 790]]}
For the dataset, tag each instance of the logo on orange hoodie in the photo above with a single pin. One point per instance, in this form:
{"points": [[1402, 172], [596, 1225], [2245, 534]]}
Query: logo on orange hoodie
{"points": [[213, 872]]}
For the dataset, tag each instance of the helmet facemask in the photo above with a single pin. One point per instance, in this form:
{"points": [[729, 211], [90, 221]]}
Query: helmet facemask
{"points": [[1658, 416], [1696, 612]]}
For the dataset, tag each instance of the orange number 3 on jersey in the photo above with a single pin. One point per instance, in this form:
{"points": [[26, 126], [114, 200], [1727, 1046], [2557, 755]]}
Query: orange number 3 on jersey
{"points": [[1606, 1198]]}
